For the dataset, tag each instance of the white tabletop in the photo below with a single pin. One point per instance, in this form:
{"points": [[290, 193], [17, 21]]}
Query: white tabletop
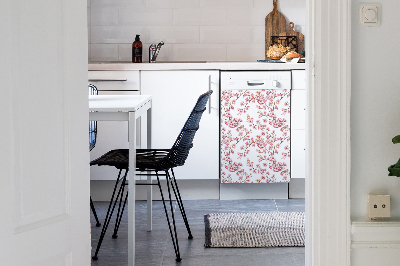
{"points": [[117, 103]]}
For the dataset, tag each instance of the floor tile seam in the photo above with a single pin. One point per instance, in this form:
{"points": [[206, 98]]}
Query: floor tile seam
{"points": [[276, 205]]}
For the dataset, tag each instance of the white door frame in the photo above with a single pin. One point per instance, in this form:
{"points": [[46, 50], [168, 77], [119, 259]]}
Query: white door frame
{"points": [[328, 158]]}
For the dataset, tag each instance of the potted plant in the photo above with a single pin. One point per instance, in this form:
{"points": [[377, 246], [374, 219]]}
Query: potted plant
{"points": [[394, 170]]}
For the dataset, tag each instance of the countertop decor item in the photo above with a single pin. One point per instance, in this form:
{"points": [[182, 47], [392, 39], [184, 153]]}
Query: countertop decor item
{"points": [[287, 41], [299, 37], [137, 50], [275, 23], [270, 61]]}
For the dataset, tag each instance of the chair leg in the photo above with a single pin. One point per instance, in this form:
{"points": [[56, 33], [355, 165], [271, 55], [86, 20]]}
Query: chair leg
{"points": [[94, 213], [109, 212], [174, 239], [180, 203], [120, 211]]}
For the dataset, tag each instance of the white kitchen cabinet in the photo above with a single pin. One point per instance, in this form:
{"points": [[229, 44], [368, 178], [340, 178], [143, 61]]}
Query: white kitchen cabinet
{"points": [[298, 109], [174, 96], [112, 134], [298, 153], [298, 124], [298, 79]]}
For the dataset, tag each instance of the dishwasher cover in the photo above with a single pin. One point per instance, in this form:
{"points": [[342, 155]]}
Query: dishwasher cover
{"points": [[255, 136]]}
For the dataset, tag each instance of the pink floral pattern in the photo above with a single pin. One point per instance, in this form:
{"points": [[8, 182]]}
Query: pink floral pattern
{"points": [[255, 136]]}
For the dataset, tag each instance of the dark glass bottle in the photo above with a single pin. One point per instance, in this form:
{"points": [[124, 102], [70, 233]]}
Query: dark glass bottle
{"points": [[137, 49]]}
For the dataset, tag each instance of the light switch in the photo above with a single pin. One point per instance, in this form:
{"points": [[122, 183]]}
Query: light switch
{"points": [[369, 14]]}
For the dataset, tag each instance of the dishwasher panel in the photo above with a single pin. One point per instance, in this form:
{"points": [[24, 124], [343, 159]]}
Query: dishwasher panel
{"points": [[255, 127]]}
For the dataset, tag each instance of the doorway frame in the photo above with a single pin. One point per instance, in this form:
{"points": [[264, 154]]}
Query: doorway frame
{"points": [[328, 221]]}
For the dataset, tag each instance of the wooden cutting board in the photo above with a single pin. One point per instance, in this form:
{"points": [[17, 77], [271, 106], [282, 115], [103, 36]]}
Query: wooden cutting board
{"points": [[275, 23], [292, 32]]}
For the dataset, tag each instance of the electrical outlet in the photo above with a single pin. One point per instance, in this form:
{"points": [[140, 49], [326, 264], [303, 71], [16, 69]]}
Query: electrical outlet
{"points": [[378, 206]]}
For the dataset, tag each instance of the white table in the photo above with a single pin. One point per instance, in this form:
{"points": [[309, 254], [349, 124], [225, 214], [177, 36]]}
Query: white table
{"points": [[127, 108]]}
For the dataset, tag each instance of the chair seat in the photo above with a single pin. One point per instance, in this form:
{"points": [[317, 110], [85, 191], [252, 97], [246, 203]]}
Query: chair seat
{"points": [[146, 159]]}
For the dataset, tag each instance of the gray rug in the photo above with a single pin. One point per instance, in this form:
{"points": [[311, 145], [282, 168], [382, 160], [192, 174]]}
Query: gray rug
{"points": [[271, 229]]}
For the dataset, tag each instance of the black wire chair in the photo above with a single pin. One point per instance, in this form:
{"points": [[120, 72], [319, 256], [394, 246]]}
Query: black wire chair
{"points": [[154, 160], [92, 143]]}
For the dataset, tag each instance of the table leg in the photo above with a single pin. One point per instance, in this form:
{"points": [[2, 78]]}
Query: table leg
{"points": [[149, 178], [132, 190]]}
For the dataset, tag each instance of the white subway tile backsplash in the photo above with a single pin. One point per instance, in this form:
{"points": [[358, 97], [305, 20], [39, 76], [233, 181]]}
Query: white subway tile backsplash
{"points": [[258, 35], [265, 5], [199, 16], [173, 34], [294, 10], [104, 52], [105, 16], [145, 17], [214, 3], [199, 52], [239, 4], [246, 17], [300, 28], [246, 53], [172, 3], [192, 30], [115, 34], [226, 3], [232, 35], [88, 16], [119, 3], [125, 52], [224, 34]]}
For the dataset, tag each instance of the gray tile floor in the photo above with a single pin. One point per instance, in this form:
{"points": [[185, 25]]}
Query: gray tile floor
{"points": [[155, 248]]}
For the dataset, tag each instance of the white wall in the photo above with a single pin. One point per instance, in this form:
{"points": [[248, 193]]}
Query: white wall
{"points": [[375, 120], [193, 30], [375, 108]]}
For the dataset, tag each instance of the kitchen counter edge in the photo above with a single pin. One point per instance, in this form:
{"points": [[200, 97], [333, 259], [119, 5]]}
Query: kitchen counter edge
{"points": [[195, 66]]}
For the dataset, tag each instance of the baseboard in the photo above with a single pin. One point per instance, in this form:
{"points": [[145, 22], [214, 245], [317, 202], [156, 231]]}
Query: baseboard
{"points": [[253, 191], [375, 243], [297, 188], [101, 190]]}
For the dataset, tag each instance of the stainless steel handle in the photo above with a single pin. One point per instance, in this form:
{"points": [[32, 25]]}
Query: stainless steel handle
{"points": [[100, 80], [254, 83], [209, 99]]}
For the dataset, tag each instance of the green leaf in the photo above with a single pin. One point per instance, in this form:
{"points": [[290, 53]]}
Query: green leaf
{"points": [[394, 170], [396, 139]]}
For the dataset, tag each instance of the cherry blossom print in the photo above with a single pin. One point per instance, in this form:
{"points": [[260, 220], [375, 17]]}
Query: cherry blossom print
{"points": [[255, 136]]}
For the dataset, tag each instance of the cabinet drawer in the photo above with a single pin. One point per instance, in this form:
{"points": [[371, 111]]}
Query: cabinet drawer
{"points": [[298, 79], [115, 80]]}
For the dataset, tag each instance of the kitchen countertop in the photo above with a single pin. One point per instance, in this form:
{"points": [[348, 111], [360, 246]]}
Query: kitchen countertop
{"points": [[195, 66]]}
